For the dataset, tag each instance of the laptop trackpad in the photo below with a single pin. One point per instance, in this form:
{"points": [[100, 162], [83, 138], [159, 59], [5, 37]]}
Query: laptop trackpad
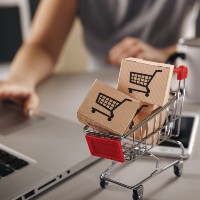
{"points": [[13, 119]]}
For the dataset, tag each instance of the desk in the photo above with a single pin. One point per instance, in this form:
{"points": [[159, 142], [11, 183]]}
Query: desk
{"points": [[62, 95]]}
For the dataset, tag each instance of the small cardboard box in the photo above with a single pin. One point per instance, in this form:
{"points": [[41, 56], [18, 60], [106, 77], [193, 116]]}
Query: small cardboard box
{"points": [[107, 109], [145, 81], [153, 124]]}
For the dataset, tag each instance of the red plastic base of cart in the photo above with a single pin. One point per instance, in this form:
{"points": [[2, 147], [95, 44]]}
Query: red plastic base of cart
{"points": [[105, 148]]}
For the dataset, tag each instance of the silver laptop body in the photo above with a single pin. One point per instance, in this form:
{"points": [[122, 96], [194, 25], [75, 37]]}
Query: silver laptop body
{"points": [[54, 149]]}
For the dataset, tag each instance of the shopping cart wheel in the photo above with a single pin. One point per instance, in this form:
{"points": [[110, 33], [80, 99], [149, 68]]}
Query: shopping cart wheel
{"points": [[138, 192], [103, 183], [147, 94], [178, 169], [130, 90], [93, 110]]}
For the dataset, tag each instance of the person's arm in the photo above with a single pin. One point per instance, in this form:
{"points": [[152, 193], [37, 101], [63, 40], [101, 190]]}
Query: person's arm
{"points": [[36, 58], [133, 47]]}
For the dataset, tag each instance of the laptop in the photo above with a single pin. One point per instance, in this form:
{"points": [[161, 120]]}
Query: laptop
{"points": [[37, 153]]}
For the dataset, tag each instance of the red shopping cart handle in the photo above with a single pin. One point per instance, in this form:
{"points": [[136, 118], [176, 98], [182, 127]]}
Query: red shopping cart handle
{"points": [[182, 72]]}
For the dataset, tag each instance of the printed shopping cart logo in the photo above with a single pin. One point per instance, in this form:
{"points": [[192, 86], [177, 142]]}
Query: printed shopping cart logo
{"points": [[109, 104], [141, 80]]}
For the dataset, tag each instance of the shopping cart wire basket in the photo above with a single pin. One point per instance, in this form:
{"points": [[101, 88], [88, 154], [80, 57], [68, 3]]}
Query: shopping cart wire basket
{"points": [[127, 147], [141, 80], [109, 104]]}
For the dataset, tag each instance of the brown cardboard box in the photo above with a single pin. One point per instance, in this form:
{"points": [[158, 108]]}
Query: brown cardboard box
{"points": [[146, 130], [145, 81], [107, 109]]}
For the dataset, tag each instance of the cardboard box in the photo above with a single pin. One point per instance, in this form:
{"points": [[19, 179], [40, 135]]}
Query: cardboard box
{"points": [[153, 124], [145, 81], [107, 109]]}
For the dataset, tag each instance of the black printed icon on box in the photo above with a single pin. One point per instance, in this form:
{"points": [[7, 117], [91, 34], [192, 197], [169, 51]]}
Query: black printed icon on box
{"points": [[141, 80], [108, 103]]}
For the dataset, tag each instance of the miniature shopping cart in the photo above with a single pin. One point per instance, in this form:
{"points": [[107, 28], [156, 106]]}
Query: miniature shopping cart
{"points": [[129, 147], [142, 80], [108, 103]]}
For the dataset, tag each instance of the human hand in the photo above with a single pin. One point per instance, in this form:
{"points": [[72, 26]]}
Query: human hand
{"points": [[19, 94], [133, 47]]}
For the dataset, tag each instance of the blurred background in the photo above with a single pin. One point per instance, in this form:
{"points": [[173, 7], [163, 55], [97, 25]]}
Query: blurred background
{"points": [[15, 20]]}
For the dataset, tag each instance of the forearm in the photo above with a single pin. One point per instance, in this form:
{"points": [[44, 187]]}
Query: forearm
{"points": [[168, 50], [36, 58], [31, 65]]}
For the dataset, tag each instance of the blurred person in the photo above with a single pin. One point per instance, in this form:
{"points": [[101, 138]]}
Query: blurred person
{"points": [[113, 30]]}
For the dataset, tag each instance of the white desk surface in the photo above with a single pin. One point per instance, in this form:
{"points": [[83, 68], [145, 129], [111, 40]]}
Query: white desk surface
{"points": [[62, 95]]}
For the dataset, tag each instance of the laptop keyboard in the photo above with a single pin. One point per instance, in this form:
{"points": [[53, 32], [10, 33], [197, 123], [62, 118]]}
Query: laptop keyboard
{"points": [[9, 163]]}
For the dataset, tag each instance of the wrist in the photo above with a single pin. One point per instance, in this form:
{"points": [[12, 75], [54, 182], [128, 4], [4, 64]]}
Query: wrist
{"points": [[23, 81], [169, 50]]}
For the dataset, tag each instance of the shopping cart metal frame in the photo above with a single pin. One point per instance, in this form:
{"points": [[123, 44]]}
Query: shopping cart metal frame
{"points": [[114, 104], [130, 148], [142, 80]]}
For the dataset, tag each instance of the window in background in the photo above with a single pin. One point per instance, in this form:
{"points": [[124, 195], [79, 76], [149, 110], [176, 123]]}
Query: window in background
{"points": [[10, 32], [14, 25], [198, 26]]}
